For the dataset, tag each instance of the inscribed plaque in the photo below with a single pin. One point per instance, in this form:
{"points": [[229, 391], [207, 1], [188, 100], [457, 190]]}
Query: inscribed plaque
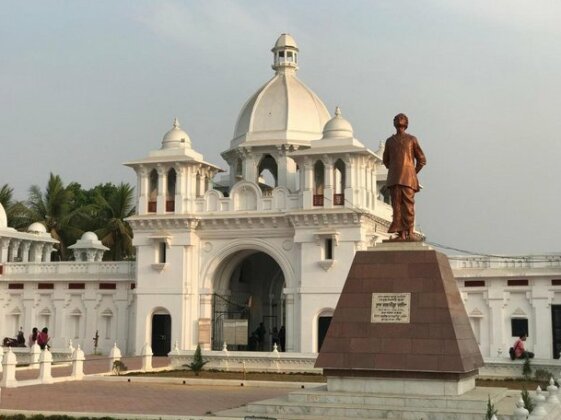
{"points": [[235, 331], [391, 308]]}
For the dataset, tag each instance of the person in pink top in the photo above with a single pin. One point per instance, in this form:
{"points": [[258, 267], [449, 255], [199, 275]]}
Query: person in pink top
{"points": [[519, 351]]}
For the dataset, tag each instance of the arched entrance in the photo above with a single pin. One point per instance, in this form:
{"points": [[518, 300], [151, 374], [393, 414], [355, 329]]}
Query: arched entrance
{"points": [[161, 333], [247, 287]]}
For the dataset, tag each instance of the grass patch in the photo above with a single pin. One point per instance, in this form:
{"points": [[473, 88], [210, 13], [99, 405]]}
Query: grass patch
{"points": [[249, 376]]}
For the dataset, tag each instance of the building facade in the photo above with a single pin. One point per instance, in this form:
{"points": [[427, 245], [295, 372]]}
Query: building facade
{"points": [[268, 242]]}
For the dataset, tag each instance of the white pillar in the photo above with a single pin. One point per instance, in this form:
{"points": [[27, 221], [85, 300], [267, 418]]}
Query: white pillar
{"points": [[114, 355], [78, 363], [142, 190], [25, 251], [328, 186], [162, 191], [45, 364], [146, 357], [496, 320], [542, 335], [290, 325], [9, 362], [34, 354]]}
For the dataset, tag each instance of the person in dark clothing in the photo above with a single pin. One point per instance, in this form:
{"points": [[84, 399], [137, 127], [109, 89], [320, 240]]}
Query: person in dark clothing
{"points": [[282, 338], [261, 331]]}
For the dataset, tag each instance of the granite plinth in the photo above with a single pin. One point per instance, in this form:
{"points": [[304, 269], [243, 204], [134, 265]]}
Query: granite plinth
{"points": [[436, 343]]}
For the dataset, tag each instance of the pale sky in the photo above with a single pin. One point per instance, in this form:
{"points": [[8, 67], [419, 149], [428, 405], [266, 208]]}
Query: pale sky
{"points": [[87, 85]]}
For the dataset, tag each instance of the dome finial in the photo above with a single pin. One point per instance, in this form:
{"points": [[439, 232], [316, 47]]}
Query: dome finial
{"points": [[285, 54], [175, 123], [337, 111]]}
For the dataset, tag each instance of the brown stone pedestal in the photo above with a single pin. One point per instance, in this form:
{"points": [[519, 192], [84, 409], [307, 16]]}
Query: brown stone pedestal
{"points": [[428, 347]]}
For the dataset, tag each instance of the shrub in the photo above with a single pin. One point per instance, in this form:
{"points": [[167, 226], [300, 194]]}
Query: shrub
{"points": [[528, 404], [198, 363], [543, 375], [491, 410]]}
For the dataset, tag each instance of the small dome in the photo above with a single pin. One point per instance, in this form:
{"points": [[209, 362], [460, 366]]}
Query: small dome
{"points": [[37, 227], [3, 218], [89, 236], [285, 40], [176, 137], [337, 126]]}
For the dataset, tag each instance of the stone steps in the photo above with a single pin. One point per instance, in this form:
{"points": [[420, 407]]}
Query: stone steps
{"points": [[469, 401], [317, 404]]}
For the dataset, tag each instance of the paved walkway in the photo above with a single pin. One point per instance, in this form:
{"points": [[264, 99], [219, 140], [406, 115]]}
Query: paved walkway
{"points": [[151, 399], [134, 398]]}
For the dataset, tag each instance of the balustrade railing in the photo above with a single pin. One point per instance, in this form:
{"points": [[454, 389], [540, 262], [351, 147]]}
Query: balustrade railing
{"points": [[338, 199], [318, 200]]}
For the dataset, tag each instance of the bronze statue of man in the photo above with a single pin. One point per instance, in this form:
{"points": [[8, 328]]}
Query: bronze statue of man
{"points": [[404, 159]]}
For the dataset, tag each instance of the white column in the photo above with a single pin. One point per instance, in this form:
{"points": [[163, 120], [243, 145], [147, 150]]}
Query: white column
{"points": [[307, 185], [496, 320], [348, 191], [25, 251], [4, 248], [328, 188], [162, 190], [142, 190], [542, 334], [179, 188], [290, 325], [13, 250]]}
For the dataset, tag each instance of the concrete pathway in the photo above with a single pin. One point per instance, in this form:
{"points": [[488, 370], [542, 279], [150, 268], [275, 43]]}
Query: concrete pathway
{"points": [[152, 399]]}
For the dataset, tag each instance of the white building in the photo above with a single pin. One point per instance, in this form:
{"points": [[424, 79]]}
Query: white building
{"points": [[300, 199], [272, 242]]}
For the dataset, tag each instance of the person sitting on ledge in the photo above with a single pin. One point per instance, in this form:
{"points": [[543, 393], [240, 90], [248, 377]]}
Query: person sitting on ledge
{"points": [[519, 351]]}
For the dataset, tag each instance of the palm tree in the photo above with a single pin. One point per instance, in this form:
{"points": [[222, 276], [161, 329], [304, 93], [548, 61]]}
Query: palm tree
{"points": [[52, 208], [115, 232], [16, 212]]}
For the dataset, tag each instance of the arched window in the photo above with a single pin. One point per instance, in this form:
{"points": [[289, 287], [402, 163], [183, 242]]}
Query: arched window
{"points": [[339, 175], [268, 173], [153, 196], [170, 196], [319, 183]]}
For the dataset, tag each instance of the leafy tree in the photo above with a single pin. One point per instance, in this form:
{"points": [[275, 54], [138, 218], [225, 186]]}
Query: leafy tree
{"points": [[16, 212], [114, 205], [53, 209]]}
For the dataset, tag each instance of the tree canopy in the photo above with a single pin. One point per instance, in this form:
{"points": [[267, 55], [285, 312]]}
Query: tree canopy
{"points": [[69, 211]]}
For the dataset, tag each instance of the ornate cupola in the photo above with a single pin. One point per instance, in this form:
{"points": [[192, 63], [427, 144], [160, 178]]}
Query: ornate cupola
{"points": [[176, 137], [285, 54]]}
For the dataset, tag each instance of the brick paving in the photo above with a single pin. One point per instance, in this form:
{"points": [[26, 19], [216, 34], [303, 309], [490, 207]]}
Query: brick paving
{"points": [[102, 396], [133, 398]]}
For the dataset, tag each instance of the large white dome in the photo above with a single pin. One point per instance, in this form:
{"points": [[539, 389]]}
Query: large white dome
{"points": [[284, 108]]}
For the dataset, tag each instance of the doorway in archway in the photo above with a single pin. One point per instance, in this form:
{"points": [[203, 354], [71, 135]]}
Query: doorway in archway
{"points": [[249, 287], [161, 334]]}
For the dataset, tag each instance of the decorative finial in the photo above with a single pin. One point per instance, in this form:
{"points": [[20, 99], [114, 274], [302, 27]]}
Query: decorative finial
{"points": [[337, 111], [175, 123]]}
